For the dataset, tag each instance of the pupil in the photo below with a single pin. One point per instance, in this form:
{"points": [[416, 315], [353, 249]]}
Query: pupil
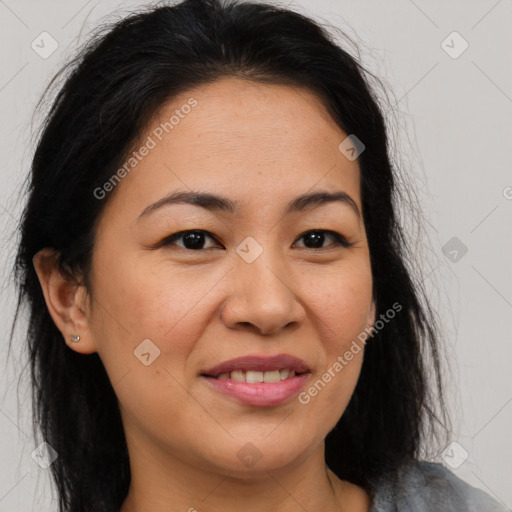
{"points": [[195, 240], [316, 237]]}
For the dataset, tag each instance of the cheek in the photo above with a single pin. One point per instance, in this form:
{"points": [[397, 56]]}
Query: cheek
{"points": [[155, 301], [341, 302], [135, 303], [341, 305]]}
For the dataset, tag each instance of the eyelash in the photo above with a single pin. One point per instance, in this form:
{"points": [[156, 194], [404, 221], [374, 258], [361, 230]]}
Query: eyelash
{"points": [[339, 239]]}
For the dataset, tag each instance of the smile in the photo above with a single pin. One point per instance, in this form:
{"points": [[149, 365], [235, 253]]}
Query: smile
{"points": [[254, 377]]}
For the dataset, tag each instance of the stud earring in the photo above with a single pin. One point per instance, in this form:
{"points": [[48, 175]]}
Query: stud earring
{"points": [[74, 339]]}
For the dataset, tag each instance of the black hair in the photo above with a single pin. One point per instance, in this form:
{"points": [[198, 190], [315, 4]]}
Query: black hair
{"points": [[112, 88]]}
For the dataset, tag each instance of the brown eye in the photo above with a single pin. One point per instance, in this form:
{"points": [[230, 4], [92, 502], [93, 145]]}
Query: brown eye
{"points": [[192, 239], [316, 238]]}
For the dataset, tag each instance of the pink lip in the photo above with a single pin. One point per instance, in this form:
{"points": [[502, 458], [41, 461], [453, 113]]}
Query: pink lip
{"points": [[258, 363], [261, 393]]}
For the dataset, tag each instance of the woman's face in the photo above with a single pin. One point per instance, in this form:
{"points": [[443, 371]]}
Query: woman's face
{"points": [[253, 282]]}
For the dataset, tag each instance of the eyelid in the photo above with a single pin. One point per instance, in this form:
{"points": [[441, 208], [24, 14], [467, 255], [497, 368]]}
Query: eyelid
{"points": [[338, 237], [179, 234], [341, 241]]}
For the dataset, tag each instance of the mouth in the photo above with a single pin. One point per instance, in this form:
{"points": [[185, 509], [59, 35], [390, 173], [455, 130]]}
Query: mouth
{"points": [[259, 380], [257, 368], [256, 377]]}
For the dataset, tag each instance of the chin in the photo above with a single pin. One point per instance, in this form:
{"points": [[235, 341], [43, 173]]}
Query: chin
{"points": [[255, 456]]}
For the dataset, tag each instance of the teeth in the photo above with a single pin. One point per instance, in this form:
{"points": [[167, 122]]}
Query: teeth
{"points": [[238, 376], [253, 377], [274, 376]]}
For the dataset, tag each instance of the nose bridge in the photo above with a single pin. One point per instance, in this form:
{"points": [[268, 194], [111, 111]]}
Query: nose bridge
{"points": [[262, 292], [262, 267]]}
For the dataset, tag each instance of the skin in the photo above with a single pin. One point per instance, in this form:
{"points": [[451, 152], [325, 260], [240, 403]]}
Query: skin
{"points": [[261, 145]]}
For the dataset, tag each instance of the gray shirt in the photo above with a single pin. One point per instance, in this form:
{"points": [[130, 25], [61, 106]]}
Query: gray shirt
{"points": [[430, 487]]}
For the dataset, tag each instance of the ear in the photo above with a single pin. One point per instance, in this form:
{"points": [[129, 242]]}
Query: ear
{"points": [[65, 300]]}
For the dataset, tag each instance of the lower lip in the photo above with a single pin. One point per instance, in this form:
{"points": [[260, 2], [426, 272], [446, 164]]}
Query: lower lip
{"points": [[261, 393]]}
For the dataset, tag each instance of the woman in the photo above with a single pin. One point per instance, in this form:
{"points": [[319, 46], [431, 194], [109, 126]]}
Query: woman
{"points": [[221, 311]]}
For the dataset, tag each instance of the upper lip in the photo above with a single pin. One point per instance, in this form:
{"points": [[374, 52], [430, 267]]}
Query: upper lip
{"points": [[258, 363]]}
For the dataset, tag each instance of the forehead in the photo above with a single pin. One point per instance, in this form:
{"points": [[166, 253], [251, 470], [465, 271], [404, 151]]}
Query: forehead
{"points": [[242, 139], [241, 114]]}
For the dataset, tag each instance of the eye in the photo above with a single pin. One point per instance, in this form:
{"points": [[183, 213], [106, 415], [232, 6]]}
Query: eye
{"points": [[192, 239], [316, 238]]}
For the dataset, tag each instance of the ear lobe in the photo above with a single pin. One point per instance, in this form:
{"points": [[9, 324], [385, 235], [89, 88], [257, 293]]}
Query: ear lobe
{"points": [[61, 294]]}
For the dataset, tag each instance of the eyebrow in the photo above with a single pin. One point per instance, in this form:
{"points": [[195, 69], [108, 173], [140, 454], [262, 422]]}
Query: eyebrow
{"points": [[213, 202]]}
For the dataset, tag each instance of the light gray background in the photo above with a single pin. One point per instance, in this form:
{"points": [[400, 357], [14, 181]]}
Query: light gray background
{"points": [[455, 138]]}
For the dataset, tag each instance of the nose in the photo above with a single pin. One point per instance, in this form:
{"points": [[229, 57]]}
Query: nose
{"points": [[263, 296]]}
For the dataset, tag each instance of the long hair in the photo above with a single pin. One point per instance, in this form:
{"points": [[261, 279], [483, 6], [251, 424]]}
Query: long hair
{"points": [[111, 89]]}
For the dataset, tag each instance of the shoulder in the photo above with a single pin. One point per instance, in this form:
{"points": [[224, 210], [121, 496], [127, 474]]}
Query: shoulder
{"points": [[422, 486]]}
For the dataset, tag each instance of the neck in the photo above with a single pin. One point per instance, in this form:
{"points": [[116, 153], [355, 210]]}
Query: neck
{"points": [[161, 484]]}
